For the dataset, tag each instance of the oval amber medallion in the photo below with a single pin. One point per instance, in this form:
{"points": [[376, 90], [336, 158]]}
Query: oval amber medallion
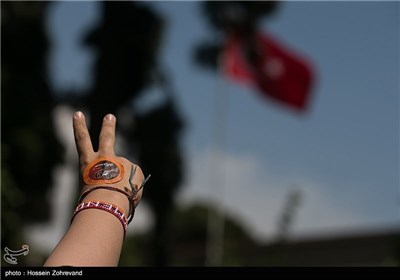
{"points": [[103, 170]]}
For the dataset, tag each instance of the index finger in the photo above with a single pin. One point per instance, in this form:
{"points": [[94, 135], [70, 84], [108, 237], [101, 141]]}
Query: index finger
{"points": [[82, 137]]}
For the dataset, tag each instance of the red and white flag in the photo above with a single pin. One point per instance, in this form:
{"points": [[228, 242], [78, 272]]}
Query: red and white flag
{"points": [[277, 73]]}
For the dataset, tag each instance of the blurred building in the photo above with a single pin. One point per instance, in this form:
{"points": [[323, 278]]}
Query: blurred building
{"points": [[364, 247], [379, 248]]}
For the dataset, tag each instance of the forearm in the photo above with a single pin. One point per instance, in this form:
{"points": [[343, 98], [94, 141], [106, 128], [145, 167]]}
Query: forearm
{"points": [[94, 237]]}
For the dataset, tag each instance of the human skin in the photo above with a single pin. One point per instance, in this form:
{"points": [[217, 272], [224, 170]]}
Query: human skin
{"points": [[95, 237]]}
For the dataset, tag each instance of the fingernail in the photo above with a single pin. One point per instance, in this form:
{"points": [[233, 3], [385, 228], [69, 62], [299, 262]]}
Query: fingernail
{"points": [[78, 115], [110, 117]]}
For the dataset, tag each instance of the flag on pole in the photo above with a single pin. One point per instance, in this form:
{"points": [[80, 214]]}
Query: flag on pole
{"points": [[275, 71]]}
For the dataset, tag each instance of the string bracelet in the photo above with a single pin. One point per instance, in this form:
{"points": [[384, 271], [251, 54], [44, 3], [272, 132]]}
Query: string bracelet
{"points": [[105, 206], [129, 195]]}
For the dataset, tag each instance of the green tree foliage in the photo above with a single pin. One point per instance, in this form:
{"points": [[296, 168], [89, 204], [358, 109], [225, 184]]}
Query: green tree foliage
{"points": [[30, 148]]}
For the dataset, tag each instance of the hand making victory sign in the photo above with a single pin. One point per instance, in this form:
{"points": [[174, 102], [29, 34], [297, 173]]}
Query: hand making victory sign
{"points": [[112, 187]]}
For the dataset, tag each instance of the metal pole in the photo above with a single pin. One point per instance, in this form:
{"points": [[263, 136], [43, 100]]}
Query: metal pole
{"points": [[216, 214]]}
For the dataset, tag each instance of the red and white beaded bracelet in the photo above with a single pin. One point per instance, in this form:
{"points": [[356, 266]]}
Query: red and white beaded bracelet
{"points": [[127, 193], [105, 206]]}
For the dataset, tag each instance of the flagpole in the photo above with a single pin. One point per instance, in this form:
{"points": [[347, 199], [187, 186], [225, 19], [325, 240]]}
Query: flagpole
{"points": [[217, 172]]}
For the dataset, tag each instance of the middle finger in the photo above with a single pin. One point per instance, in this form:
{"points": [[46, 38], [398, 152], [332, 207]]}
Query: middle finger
{"points": [[107, 135]]}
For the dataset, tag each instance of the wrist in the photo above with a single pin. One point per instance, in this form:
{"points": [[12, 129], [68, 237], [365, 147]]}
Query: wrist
{"points": [[116, 198], [115, 175]]}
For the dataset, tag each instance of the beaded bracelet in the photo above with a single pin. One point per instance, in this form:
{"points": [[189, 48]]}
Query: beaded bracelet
{"points": [[102, 205], [129, 195]]}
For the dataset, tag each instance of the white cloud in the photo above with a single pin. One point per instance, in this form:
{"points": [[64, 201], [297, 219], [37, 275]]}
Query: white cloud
{"points": [[257, 197]]}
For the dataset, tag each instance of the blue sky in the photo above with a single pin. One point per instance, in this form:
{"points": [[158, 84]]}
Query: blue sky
{"points": [[343, 154]]}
